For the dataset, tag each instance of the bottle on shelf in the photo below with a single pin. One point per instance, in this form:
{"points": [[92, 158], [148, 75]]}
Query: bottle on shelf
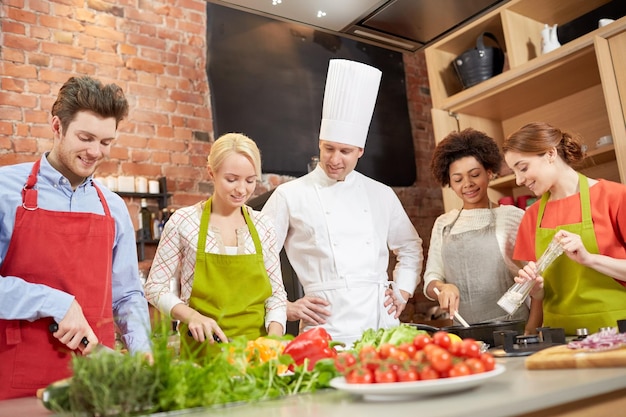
{"points": [[145, 221]]}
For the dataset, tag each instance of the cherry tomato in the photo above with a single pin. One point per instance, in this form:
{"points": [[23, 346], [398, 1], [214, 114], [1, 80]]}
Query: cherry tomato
{"points": [[470, 349], [360, 376], [421, 340], [399, 356], [442, 339], [385, 374], [441, 360], [387, 350], [409, 348], [489, 361], [369, 357], [475, 365], [407, 374], [428, 372], [459, 369], [344, 361], [420, 357], [455, 349]]}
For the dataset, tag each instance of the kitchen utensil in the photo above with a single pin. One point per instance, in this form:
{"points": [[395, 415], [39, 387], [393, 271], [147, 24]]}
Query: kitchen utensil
{"points": [[481, 63], [549, 39], [456, 313], [604, 140], [100, 348], [215, 337], [483, 331], [517, 293]]}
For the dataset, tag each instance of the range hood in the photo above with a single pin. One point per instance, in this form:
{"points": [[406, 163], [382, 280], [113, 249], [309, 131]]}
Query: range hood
{"points": [[401, 25]]}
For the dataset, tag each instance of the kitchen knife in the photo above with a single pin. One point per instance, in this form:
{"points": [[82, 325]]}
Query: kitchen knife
{"points": [[215, 337], [100, 348]]}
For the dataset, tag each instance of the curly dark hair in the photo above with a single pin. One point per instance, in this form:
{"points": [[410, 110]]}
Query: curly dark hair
{"points": [[457, 145]]}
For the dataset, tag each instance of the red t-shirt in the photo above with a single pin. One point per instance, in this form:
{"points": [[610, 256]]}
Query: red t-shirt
{"points": [[608, 211]]}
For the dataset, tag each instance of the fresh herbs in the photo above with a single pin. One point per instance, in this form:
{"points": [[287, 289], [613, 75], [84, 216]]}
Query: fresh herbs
{"points": [[239, 371]]}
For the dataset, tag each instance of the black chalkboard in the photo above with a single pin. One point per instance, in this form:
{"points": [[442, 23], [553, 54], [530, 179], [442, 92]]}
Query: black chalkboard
{"points": [[267, 79]]}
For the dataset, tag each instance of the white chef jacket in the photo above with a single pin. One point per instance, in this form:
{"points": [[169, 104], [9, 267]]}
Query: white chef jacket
{"points": [[337, 236]]}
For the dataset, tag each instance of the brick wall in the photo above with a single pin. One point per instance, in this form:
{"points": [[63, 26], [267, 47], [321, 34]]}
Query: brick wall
{"points": [[156, 51]]}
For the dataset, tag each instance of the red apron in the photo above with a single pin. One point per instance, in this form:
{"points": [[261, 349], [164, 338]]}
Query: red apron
{"points": [[69, 251]]}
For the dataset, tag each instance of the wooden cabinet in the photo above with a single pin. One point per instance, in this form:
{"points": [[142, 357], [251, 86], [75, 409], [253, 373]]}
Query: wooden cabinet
{"points": [[576, 87]]}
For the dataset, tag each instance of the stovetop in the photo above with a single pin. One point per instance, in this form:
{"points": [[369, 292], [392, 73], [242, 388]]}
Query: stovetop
{"points": [[510, 343]]}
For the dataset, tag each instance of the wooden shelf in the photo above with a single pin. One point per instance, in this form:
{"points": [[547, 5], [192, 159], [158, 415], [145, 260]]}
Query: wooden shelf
{"points": [[576, 87]]}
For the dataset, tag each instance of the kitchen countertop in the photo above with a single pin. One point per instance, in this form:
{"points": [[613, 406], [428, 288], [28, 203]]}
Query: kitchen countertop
{"points": [[515, 392]]}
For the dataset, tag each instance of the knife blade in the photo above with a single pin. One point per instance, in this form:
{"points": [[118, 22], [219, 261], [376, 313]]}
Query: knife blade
{"points": [[100, 348]]}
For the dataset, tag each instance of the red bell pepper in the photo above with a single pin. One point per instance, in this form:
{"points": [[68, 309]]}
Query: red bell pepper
{"points": [[313, 344]]}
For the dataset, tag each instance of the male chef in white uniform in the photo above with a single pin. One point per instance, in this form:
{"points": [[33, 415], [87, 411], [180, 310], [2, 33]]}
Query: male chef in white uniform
{"points": [[338, 226]]}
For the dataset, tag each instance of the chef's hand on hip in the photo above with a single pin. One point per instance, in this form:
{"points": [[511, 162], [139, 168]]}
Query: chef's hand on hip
{"points": [[309, 309], [73, 328], [396, 303]]}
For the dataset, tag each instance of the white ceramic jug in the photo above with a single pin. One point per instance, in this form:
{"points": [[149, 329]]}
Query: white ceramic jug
{"points": [[549, 38]]}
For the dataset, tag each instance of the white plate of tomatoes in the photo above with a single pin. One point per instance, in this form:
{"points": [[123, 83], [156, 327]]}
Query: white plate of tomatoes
{"points": [[425, 366], [392, 391]]}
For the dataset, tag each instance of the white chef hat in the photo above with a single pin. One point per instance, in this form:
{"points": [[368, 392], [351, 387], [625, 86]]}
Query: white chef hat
{"points": [[349, 99]]}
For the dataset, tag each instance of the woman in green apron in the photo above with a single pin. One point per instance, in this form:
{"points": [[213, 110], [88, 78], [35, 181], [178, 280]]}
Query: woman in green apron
{"points": [[217, 268], [586, 288], [470, 253]]}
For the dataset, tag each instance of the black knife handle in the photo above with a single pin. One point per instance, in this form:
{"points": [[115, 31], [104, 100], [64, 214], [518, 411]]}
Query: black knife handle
{"points": [[53, 327], [215, 337]]}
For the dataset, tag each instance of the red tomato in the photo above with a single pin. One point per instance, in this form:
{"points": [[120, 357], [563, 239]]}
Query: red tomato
{"points": [[344, 361], [369, 357], [409, 348], [489, 361], [470, 349], [475, 365], [399, 356], [421, 340], [360, 376], [455, 349], [420, 357], [385, 374], [441, 360], [407, 374], [459, 369], [428, 372], [442, 339], [386, 350]]}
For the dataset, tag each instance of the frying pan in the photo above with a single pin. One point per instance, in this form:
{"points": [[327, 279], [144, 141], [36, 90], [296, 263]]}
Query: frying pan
{"points": [[482, 331]]}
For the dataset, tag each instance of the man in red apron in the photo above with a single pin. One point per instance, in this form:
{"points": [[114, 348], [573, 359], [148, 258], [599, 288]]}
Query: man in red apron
{"points": [[64, 248]]}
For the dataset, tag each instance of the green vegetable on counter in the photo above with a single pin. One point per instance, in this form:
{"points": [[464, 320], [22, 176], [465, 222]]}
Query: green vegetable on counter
{"points": [[403, 333], [128, 385]]}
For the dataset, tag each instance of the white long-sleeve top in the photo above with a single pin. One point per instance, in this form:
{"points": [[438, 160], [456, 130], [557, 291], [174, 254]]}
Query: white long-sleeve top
{"points": [[172, 272], [507, 220], [337, 236]]}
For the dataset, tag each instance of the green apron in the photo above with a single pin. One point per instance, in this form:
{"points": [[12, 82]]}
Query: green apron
{"points": [[231, 289], [577, 296]]}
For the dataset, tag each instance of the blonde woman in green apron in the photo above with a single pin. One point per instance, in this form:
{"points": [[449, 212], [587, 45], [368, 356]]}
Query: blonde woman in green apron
{"points": [[586, 288], [470, 253], [217, 268]]}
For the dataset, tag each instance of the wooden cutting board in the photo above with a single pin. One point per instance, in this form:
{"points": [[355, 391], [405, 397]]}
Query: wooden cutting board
{"points": [[561, 357]]}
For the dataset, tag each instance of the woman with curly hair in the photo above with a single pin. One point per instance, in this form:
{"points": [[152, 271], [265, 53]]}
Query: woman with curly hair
{"points": [[587, 287], [470, 255]]}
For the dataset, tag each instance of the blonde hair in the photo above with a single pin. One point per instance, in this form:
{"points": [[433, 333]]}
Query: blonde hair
{"points": [[231, 143]]}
